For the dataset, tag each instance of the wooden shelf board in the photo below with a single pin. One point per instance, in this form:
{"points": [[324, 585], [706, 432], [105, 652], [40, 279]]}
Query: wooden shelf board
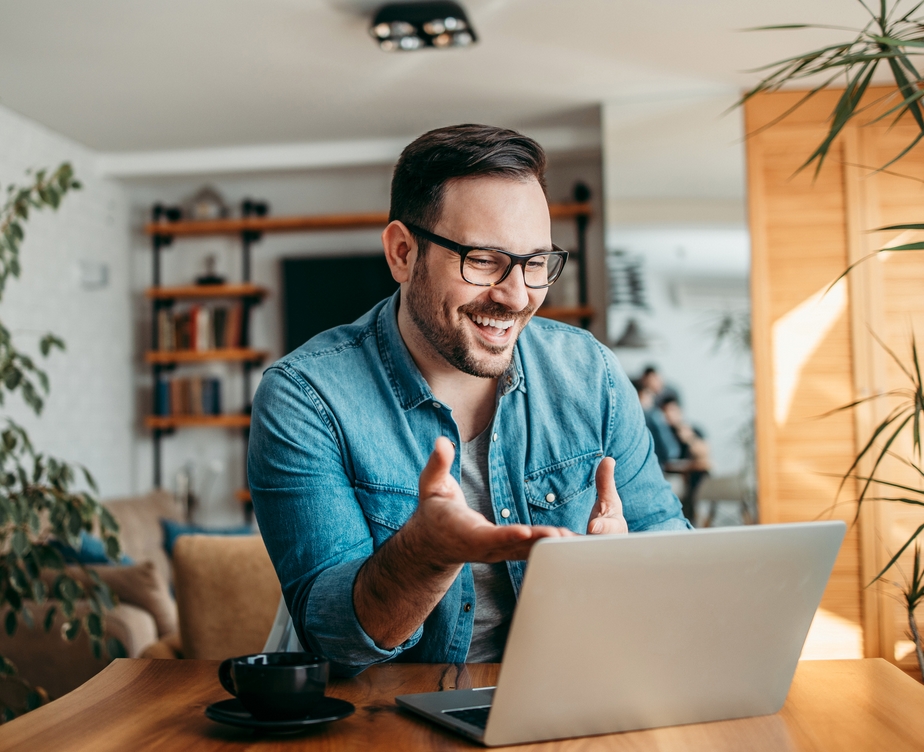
{"points": [[234, 420], [206, 291], [243, 495], [200, 356], [310, 223], [566, 313]]}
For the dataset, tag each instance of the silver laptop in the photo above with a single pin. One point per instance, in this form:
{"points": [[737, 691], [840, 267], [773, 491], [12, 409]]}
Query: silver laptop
{"points": [[615, 633]]}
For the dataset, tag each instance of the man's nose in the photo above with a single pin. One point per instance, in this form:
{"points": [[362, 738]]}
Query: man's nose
{"points": [[512, 292]]}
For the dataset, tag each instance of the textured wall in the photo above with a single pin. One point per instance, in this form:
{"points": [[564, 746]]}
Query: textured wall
{"points": [[90, 413]]}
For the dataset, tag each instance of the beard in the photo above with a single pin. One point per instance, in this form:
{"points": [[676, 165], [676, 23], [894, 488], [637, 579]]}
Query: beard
{"points": [[433, 319]]}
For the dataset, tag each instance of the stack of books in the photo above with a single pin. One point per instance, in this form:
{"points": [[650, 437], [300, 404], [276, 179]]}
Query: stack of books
{"points": [[189, 395], [199, 327]]}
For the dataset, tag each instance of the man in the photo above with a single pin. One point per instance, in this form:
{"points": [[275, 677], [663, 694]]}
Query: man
{"points": [[361, 438]]}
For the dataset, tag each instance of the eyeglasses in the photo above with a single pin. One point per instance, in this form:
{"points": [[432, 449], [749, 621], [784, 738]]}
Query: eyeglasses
{"points": [[487, 267]]}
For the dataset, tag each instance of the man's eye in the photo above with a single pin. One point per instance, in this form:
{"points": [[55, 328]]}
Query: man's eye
{"points": [[481, 262], [537, 264]]}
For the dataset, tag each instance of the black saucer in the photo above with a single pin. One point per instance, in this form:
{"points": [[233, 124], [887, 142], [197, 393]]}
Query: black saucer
{"points": [[233, 713]]}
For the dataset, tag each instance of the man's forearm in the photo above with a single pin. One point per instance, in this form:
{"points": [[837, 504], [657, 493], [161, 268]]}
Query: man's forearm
{"points": [[398, 587]]}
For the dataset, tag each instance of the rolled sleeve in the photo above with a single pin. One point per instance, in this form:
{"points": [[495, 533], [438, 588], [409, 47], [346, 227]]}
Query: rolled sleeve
{"points": [[311, 521]]}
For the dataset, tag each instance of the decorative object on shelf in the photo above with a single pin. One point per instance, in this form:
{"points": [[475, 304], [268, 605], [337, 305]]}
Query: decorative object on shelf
{"points": [[207, 203], [402, 27], [39, 506], [211, 277]]}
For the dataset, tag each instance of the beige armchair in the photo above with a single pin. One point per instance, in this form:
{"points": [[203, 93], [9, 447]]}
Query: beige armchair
{"points": [[227, 593]]}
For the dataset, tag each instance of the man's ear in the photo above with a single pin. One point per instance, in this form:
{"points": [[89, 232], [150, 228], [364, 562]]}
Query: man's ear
{"points": [[400, 250]]}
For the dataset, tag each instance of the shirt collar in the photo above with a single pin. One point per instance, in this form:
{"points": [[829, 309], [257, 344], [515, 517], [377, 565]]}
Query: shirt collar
{"points": [[410, 387]]}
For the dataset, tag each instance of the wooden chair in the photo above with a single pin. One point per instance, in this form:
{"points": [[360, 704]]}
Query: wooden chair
{"points": [[227, 593]]}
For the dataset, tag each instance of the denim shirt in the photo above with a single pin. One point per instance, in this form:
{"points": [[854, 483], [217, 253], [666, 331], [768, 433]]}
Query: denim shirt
{"points": [[343, 426]]}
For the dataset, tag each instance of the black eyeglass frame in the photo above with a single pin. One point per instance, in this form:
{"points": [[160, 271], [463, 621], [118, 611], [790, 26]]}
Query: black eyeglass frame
{"points": [[515, 259]]}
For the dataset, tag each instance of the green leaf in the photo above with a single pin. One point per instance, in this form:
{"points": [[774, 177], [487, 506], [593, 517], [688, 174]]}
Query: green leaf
{"points": [[50, 618], [95, 625], [9, 623], [115, 648], [20, 544], [26, 615]]}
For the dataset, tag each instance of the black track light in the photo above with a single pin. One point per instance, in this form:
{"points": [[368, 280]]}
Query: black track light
{"points": [[401, 27]]}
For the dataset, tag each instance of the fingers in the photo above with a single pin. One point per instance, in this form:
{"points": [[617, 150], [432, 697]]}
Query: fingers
{"points": [[606, 516]]}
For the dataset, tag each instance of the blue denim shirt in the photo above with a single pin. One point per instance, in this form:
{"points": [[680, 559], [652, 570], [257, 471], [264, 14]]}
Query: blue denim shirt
{"points": [[343, 426]]}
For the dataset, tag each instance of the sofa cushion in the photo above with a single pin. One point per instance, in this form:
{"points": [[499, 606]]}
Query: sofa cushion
{"points": [[136, 584], [174, 529], [139, 526]]}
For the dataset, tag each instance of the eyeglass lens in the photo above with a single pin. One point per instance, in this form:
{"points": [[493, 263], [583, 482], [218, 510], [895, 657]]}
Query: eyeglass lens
{"points": [[485, 267]]}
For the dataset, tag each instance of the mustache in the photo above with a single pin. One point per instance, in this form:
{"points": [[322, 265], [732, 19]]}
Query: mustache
{"points": [[497, 311]]}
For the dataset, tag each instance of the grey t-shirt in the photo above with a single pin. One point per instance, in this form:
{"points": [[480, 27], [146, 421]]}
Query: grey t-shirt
{"points": [[494, 598]]}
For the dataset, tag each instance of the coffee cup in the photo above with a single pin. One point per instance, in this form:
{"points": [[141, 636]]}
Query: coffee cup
{"points": [[276, 686]]}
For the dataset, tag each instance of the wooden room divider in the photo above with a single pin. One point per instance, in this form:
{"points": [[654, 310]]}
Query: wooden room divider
{"points": [[815, 346]]}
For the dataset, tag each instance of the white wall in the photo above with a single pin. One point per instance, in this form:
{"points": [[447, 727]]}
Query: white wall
{"points": [[674, 196], [217, 456], [89, 416]]}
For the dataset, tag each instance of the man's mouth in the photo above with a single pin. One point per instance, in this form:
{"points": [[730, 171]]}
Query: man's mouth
{"points": [[494, 326]]}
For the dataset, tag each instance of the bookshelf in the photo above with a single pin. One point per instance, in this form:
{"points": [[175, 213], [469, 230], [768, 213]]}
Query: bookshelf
{"points": [[162, 231]]}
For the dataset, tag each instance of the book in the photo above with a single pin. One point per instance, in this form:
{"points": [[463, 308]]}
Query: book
{"points": [[162, 397]]}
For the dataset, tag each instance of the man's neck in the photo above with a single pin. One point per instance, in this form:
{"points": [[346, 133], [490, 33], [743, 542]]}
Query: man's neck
{"points": [[471, 398]]}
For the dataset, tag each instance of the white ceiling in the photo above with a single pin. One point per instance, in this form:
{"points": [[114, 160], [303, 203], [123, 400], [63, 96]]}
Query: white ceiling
{"points": [[140, 75]]}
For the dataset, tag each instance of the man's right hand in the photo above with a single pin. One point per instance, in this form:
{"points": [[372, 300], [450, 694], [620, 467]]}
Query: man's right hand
{"points": [[401, 583], [445, 530]]}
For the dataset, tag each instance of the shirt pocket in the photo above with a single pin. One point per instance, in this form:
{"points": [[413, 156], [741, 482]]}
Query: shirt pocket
{"points": [[386, 508], [563, 494]]}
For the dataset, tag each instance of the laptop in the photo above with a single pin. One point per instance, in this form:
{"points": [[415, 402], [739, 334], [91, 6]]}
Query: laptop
{"points": [[615, 633]]}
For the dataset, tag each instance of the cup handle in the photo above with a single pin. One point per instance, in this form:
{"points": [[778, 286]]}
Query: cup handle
{"points": [[224, 676]]}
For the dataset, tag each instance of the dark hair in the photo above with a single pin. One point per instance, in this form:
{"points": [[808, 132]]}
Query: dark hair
{"points": [[440, 156], [668, 400]]}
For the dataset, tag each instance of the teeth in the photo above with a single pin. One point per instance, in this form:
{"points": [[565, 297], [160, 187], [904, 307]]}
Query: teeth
{"points": [[496, 323]]}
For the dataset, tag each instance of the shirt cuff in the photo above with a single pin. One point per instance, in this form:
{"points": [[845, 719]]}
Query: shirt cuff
{"points": [[329, 622]]}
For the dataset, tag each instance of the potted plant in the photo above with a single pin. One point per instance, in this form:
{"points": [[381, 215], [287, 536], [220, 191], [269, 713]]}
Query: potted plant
{"points": [[44, 508], [892, 37]]}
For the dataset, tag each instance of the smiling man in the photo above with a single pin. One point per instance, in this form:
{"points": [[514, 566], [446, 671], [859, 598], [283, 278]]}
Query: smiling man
{"points": [[402, 466]]}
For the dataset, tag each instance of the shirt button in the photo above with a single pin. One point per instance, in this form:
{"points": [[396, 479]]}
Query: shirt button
{"points": [[467, 607], [494, 437], [505, 513], [550, 497], [437, 405]]}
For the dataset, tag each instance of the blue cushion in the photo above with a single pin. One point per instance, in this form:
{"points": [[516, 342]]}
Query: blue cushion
{"points": [[174, 529], [92, 551]]}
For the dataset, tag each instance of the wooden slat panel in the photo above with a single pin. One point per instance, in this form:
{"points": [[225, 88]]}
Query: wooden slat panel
{"points": [[799, 246]]}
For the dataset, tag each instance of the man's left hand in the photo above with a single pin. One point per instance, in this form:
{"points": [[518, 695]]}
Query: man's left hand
{"points": [[606, 516]]}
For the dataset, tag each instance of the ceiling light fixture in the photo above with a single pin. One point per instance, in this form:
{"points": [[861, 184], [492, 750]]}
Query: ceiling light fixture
{"points": [[401, 27]]}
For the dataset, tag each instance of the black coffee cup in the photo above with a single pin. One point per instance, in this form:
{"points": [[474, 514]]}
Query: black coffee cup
{"points": [[276, 686]]}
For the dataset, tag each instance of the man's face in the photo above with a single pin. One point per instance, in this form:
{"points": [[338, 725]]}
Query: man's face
{"points": [[472, 328]]}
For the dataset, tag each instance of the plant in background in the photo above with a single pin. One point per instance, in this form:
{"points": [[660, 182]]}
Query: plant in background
{"points": [[40, 506], [893, 36]]}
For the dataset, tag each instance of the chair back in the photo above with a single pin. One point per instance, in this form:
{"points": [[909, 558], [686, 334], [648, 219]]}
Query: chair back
{"points": [[227, 593]]}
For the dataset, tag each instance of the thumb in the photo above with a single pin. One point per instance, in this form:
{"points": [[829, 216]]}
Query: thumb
{"points": [[608, 502], [435, 476]]}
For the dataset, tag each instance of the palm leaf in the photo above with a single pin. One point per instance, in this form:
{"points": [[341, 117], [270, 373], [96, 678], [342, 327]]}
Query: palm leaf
{"points": [[895, 558]]}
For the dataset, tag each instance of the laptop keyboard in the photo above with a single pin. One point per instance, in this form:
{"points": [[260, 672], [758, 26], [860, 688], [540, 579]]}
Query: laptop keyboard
{"points": [[474, 716]]}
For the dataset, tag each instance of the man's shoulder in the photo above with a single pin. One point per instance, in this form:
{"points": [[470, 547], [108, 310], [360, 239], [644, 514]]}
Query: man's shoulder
{"points": [[335, 348]]}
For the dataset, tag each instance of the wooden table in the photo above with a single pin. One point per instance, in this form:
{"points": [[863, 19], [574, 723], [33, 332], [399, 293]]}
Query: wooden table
{"points": [[138, 705]]}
